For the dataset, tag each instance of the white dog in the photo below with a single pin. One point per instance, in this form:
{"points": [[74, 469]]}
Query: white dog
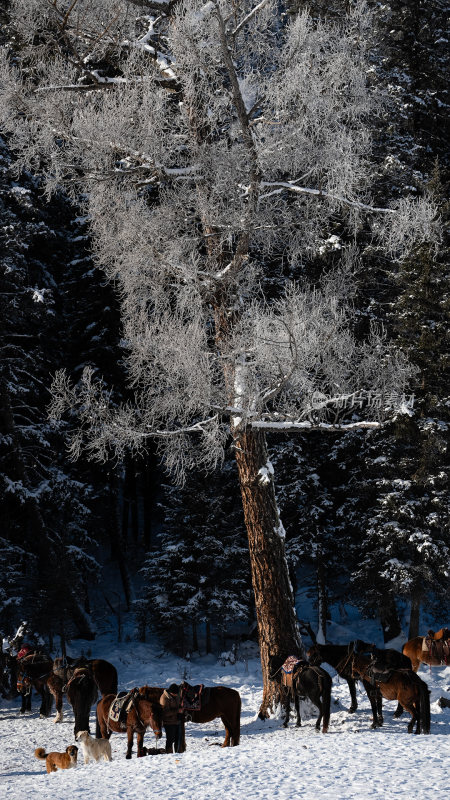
{"points": [[94, 748]]}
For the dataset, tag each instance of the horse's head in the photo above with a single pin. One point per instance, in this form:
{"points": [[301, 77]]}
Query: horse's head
{"points": [[314, 655], [155, 719], [359, 666], [23, 682]]}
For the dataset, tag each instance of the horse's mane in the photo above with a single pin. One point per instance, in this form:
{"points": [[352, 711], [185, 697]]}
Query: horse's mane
{"points": [[149, 693]]}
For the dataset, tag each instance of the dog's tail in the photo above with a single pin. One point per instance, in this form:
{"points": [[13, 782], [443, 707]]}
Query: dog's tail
{"points": [[40, 753]]}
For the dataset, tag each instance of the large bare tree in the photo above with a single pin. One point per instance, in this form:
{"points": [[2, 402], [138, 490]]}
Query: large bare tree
{"points": [[220, 138]]}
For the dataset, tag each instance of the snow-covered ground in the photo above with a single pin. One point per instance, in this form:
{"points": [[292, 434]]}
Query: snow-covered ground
{"points": [[351, 761]]}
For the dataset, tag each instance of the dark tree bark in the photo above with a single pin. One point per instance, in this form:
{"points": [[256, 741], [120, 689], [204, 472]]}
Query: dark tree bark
{"points": [[389, 620], [414, 619], [118, 548], [274, 601], [322, 597]]}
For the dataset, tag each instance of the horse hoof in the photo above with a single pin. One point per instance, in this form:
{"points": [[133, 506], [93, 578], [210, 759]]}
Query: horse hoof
{"points": [[127, 756], [352, 710]]}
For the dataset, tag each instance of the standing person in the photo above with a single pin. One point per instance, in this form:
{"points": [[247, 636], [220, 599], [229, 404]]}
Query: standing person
{"points": [[170, 702]]}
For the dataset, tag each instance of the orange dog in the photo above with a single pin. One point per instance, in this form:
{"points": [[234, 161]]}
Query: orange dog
{"points": [[62, 760]]}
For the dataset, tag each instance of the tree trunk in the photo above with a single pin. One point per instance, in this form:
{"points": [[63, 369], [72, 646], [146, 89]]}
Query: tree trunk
{"points": [[322, 599], [194, 638], [118, 549], [414, 619], [278, 632], [389, 620]]}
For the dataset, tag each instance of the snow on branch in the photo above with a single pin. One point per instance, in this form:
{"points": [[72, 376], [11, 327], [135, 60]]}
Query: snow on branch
{"points": [[291, 186]]}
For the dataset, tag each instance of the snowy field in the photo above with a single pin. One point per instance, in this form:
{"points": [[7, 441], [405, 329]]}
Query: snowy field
{"points": [[351, 761]]}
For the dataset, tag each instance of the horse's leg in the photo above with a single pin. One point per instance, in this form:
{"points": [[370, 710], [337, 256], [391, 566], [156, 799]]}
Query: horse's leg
{"points": [[379, 703], [287, 708], [140, 743], [352, 690], [414, 718], [105, 733], [317, 702], [58, 695], [55, 688], [297, 710], [46, 699], [227, 740], [398, 711], [372, 693], [130, 733]]}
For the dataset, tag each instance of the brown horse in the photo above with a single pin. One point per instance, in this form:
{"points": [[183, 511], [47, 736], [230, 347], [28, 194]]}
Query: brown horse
{"points": [[415, 651], [144, 712], [402, 685], [218, 701]]}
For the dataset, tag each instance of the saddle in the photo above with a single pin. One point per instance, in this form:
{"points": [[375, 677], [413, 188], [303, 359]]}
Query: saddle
{"points": [[192, 697], [288, 670], [120, 707], [378, 674], [438, 645]]}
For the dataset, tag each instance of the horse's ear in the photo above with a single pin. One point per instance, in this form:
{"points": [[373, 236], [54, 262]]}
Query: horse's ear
{"points": [[305, 628]]}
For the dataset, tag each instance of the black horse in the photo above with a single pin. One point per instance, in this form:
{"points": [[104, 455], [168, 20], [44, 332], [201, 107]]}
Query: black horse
{"points": [[82, 694], [306, 680]]}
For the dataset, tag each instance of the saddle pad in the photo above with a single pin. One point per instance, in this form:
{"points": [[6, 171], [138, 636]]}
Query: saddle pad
{"points": [[191, 697], [290, 664], [118, 705]]}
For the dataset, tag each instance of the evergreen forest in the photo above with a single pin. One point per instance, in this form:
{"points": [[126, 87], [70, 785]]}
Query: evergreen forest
{"points": [[191, 289]]}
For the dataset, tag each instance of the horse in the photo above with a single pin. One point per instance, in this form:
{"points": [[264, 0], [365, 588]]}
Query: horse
{"points": [[103, 672], [307, 681], [144, 712], [34, 670], [81, 693], [339, 656], [402, 685], [434, 655], [217, 701]]}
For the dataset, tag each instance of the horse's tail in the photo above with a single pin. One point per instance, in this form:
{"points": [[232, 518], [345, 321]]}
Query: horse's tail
{"points": [[40, 753], [98, 733], [236, 733], [424, 707], [326, 700]]}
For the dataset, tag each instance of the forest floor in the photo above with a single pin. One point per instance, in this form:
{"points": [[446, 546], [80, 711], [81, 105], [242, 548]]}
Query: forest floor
{"points": [[351, 761]]}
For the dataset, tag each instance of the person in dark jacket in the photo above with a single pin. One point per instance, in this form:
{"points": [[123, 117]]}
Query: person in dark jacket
{"points": [[170, 702]]}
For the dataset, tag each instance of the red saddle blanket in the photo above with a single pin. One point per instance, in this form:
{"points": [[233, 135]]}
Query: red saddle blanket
{"points": [[290, 664]]}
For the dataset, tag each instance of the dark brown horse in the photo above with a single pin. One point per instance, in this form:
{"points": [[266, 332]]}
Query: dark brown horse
{"points": [[35, 670], [81, 692], [217, 701], [306, 681], [434, 655], [339, 656], [402, 685], [144, 712], [223, 702], [103, 673]]}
